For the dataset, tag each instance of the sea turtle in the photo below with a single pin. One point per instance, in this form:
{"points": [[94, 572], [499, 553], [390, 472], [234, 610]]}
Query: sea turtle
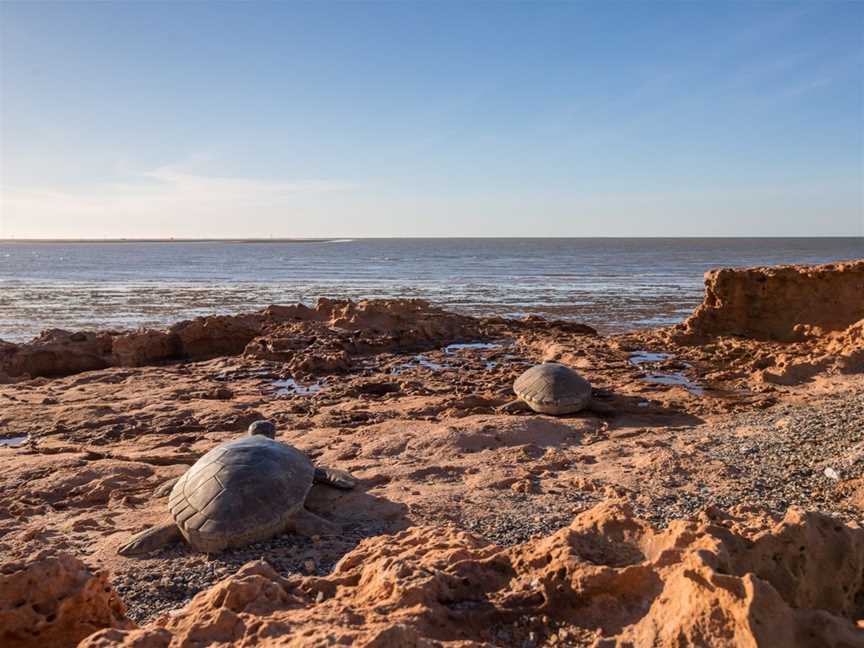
{"points": [[552, 388], [240, 492]]}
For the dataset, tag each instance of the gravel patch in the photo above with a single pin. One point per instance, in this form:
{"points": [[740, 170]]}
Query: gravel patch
{"points": [[787, 455], [150, 590]]}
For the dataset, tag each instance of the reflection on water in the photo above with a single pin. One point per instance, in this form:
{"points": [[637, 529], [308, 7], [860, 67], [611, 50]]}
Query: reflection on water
{"points": [[422, 361], [471, 346], [290, 386], [611, 284], [674, 379], [641, 357], [13, 442]]}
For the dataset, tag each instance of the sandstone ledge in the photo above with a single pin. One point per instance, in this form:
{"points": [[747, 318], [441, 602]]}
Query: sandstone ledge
{"points": [[783, 303]]}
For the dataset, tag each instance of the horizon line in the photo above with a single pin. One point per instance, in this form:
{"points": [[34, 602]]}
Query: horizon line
{"points": [[386, 238]]}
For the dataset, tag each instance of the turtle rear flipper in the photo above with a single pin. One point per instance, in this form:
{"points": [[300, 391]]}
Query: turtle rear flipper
{"points": [[164, 489], [306, 523], [151, 539], [335, 478]]}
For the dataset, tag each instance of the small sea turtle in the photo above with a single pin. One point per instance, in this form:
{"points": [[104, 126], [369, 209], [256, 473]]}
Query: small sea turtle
{"points": [[552, 388], [240, 492]]}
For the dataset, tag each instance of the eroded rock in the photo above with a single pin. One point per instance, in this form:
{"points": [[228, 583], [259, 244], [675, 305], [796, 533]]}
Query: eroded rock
{"points": [[783, 303], [333, 330], [723, 581], [55, 601]]}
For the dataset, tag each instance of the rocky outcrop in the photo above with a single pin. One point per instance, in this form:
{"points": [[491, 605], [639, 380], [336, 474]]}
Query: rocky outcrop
{"points": [[781, 325], [55, 601], [336, 327], [56, 353], [718, 581], [324, 340], [782, 303]]}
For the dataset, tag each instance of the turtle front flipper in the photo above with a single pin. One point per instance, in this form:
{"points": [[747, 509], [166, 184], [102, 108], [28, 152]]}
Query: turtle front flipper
{"points": [[601, 409], [514, 406], [151, 539], [335, 478]]}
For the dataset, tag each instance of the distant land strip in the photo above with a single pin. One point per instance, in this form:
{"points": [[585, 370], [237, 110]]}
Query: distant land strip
{"points": [[344, 239], [175, 240]]}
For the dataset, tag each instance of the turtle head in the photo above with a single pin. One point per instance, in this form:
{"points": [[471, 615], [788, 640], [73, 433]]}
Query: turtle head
{"points": [[262, 428]]}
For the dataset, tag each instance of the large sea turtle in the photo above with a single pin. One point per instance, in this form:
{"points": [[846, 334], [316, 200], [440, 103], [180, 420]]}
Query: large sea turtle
{"points": [[240, 492], [553, 388]]}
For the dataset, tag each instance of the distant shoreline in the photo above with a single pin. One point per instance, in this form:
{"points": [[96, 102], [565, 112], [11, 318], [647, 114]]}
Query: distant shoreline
{"points": [[174, 240], [345, 239]]}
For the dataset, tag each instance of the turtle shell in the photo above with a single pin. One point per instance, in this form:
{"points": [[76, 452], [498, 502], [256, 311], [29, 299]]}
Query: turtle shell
{"points": [[552, 388], [240, 492]]}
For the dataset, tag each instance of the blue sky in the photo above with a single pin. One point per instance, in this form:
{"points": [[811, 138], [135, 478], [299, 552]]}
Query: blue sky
{"points": [[431, 119]]}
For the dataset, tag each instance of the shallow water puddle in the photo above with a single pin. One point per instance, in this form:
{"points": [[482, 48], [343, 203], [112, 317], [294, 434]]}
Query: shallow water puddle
{"points": [[452, 349], [422, 361], [638, 358], [289, 387], [467, 346], [13, 442], [511, 358], [641, 357], [675, 379]]}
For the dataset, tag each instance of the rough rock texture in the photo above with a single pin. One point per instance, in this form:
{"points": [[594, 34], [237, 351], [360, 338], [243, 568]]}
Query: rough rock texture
{"points": [[56, 353], [393, 324], [719, 581], [707, 421], [55, 601], [783, 303], [327, 339], [783, 325]]}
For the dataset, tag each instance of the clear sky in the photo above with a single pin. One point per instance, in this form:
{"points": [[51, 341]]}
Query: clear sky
{"points": [[431, 119]]}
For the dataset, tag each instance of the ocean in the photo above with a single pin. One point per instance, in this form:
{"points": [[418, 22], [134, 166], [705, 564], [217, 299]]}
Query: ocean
{"points": [[611, 284]]}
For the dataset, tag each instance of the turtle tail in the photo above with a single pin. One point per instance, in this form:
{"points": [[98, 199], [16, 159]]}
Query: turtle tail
{"points": [[335, 478], [151, 539]]}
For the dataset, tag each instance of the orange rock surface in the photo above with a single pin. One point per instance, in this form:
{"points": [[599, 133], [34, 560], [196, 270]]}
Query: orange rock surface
{"points": [[55, 601], [391, 324], [372, 388], [782, 303]]}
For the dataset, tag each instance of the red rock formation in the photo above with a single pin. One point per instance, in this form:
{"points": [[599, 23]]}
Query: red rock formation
{"points": [[55, 602], [323, 340], [56, 353], [217, 335], [330, 325], [720, 581], [783, 303], [144, 347]]}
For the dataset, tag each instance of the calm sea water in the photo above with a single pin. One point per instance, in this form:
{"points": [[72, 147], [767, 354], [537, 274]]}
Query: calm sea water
{"points": [[612, 284]]}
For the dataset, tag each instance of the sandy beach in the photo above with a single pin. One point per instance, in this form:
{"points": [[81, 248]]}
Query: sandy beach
{"points": [[741, 420]]}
